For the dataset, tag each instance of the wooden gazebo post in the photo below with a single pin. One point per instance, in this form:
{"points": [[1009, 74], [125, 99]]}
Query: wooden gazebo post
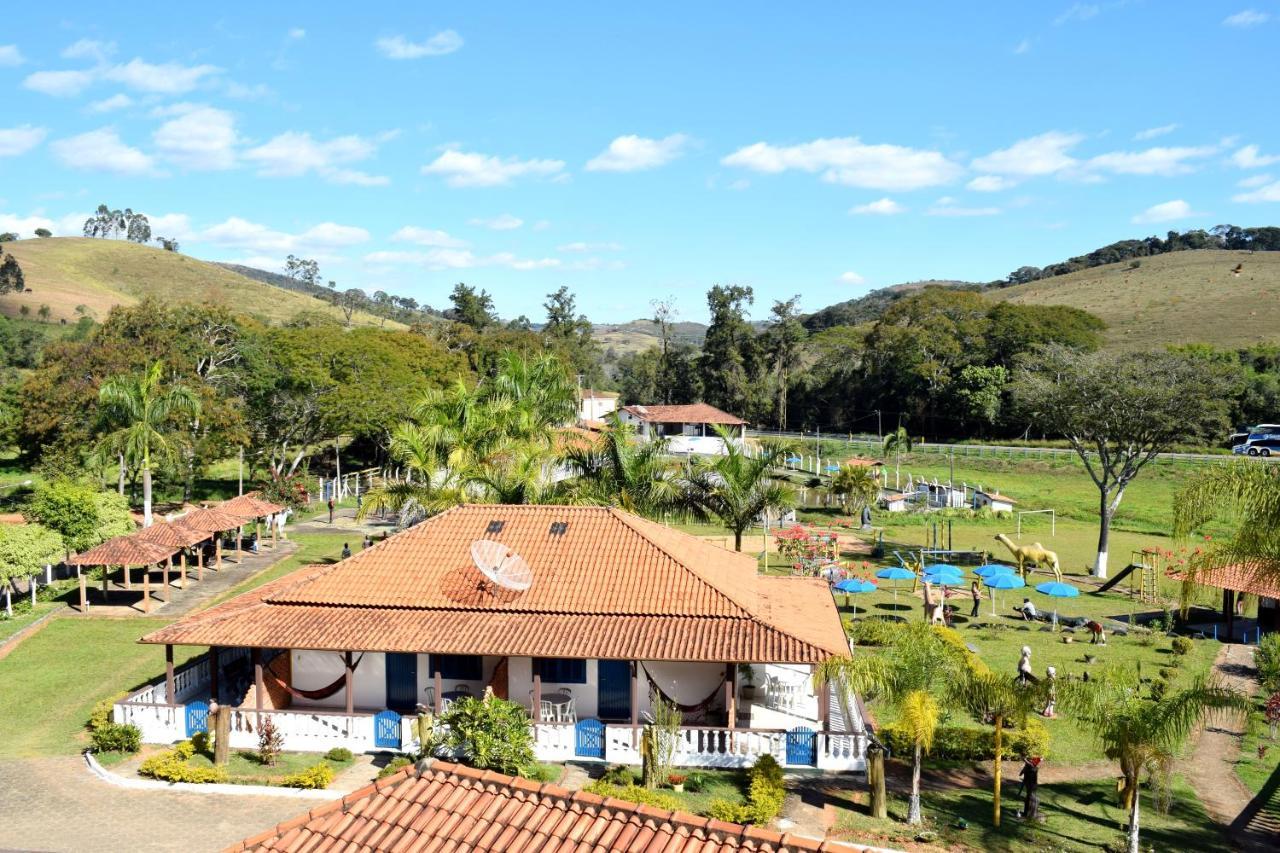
{"points": [[164, 577], [146, 589], [168, 675], [200, 561]]}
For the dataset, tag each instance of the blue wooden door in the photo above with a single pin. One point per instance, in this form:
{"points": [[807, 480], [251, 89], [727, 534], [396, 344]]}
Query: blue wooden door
{"points": [[802, 746], [402, 681], [588, 736], [197, 717], [386, 730], [613, 680]]}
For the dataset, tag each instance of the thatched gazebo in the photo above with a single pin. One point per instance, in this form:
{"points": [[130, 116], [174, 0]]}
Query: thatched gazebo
{"points": [[177, 536], [212, 522], [126, 552], [252, 505]]}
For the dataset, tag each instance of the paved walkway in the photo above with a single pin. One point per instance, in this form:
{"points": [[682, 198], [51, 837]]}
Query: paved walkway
{"points": [[56, 804]]}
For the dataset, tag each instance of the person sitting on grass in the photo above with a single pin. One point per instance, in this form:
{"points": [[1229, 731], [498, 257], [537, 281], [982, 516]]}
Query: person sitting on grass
{"points": [[346, 550], [1028, 610], [1099, 636]]}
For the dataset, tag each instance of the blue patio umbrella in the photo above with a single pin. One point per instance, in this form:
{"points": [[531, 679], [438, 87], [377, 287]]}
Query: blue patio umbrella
{"points": [[944, 580], [895, 573], [993, 569], [833, 467], [1002, 580], [1057, 589], [944, 569], [854, 586], [793, 460]]}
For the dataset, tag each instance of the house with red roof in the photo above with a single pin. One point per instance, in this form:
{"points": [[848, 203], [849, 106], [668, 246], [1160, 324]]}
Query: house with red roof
{"points": [[687, 428], [583, 615]]}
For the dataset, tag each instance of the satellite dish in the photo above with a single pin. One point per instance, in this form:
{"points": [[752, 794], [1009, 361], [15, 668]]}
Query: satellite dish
{"points": [[501, 565]]}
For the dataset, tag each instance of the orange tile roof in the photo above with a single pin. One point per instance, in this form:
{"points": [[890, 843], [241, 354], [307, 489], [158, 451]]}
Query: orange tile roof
{"points": [[860, 462], [611, 585], [251, 505], [996, 496], [123, 551], [172, 534], [212, 520], [451, 807], [693, 413], [1237, 578]]}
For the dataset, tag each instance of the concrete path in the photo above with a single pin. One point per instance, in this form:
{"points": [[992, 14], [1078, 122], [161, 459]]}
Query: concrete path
{"points": [[56, 804]]}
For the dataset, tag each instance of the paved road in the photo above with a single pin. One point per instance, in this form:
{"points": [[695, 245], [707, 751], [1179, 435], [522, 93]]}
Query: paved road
{"points": [[56, 804]]}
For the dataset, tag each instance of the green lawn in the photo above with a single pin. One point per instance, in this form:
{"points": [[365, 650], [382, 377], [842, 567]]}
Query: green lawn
{"points": [[1079, 816], [1253, 769], [244, 768], [313, 548]]}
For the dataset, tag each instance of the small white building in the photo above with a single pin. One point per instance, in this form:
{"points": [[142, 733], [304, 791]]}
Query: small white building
{"points": [[893, 501], [594, 405], [687, 428], [995, 500]]}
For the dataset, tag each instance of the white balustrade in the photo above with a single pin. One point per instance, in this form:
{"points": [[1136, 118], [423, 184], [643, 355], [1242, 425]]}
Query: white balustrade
{"points": [[553, 741], [842, 751], [158, 723]]}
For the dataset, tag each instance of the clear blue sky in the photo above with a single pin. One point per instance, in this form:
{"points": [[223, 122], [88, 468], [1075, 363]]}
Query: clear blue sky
{"points": [[631, 153]]}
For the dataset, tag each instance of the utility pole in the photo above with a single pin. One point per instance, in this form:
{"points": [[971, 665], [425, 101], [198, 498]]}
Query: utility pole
{"points": [[879, 426], [241, 487]]}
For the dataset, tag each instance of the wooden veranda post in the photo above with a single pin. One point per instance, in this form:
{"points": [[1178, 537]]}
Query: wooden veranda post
{"points": [[169, 692], [875, 781], [221, 734], [349, 683], [146, 588], [730, 694], [258, 689], [537, 697], [438, 686], [824, 706]]}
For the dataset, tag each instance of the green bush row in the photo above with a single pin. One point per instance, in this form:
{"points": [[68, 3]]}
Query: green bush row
{"points": [[316, 776], [634, 794], [765, 793], [973, 744], [172, 766], [116, 737]]}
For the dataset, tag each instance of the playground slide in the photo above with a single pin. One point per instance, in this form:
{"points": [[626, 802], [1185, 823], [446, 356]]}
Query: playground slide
{"points": [[1124, 573]]}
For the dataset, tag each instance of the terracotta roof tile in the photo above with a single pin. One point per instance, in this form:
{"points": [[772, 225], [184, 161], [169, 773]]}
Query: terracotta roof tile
{"points": [[250, 505], [612, 585], [123, 551], [212, 520], [1238, 578], [692, 413], [171, 534], [407, 814]]}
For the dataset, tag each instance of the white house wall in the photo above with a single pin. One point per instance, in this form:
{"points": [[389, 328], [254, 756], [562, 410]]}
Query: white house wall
{"points": [[313, 670]]}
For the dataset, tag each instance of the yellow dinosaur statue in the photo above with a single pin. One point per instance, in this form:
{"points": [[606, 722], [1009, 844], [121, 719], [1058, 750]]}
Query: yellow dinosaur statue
{"points": [[1034, 555]]}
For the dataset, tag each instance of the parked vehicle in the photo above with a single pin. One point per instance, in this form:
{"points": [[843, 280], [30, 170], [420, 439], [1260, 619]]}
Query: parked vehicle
{"points": [[1264, 447]]}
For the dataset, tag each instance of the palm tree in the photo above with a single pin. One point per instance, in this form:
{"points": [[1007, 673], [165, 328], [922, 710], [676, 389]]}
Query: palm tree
{"points": [[520, 478], [735, 488], [1142, 734], [145, 409], [1249, 495], [617, 470], [856, 485], [911, 676], [997, 698], [896, 442]]}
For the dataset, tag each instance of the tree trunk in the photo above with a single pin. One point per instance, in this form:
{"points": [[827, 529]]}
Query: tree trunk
{"points": [[1133, 820], [146, 495], [737, 540], [122, 470], [998, 768], [875, 781], [1104, 534], [913, 811]]}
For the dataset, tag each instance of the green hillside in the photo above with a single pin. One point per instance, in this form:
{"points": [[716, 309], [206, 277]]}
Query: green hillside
{"points": [[66, 272], [1175, 298]]}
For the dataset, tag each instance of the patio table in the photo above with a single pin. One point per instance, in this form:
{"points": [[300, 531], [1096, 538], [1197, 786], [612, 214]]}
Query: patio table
{"points": [[557, 707]]}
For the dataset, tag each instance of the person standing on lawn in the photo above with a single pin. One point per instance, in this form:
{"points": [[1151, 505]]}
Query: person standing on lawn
{"points": [[976, 592], [331, 510]]}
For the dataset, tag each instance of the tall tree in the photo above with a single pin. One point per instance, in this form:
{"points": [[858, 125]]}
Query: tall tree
{"points": [[728, 351], [1143, 735], [616, 470], [11, 278], [736, 489], [303, 270], [145, 410], [896, 442], [783, 339], [471, 307], [664, 317], [569, 334], [1119, 411], [856, 486]]}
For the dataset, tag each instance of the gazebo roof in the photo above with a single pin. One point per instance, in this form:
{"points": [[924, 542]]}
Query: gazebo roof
{"points": [[213, 520], [123, 551], [174, 534], [250, 505]]}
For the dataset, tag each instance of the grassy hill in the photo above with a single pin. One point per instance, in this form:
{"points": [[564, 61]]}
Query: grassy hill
{"points": [[1176, 298], [65, 272], [639, 335]]}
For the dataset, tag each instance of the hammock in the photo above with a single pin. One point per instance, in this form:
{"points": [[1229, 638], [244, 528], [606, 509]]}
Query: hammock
{"points": [[320, 692], [697, 708]]}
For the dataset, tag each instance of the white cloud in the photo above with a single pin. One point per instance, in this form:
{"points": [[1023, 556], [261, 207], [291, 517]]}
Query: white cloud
{"points": [[20, 139], [850, 162], [1255, 181], [881, 207], [1249, 157], [10, 55], [427, 237], [25, 226], [297, 33], [1153, 132], [293, 154], [947, 206], [1165, 212], [1078, 12], [542, 225], [98, 51], [167, 78], [852, 277], [990, 184], [1037, 155], [102, 150], [200, 137], [590, 247], [1022, 47], [461, 259], [1152, 161], [175, 226], [1247, 18], [468, 169], [501, 222], [1267, 192], [241, 91], [115, 102], [242, 234], [60, 84], [399, 47], [634, 153]]}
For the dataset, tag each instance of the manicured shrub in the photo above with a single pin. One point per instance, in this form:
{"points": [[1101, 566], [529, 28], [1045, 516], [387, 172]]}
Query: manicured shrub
{"points": [[172, 766], [1181, 645], [952, 638], [695, 782], [202, 743], [491, 734], [116, 737], [1267, 660], [101, 714], [619, 774], [393, 766], [870, 631], [316, 776], [542, 772], [1158, 689], [724, 810], [634, 794], [766, 791], [340, 753], [972, 744]]}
